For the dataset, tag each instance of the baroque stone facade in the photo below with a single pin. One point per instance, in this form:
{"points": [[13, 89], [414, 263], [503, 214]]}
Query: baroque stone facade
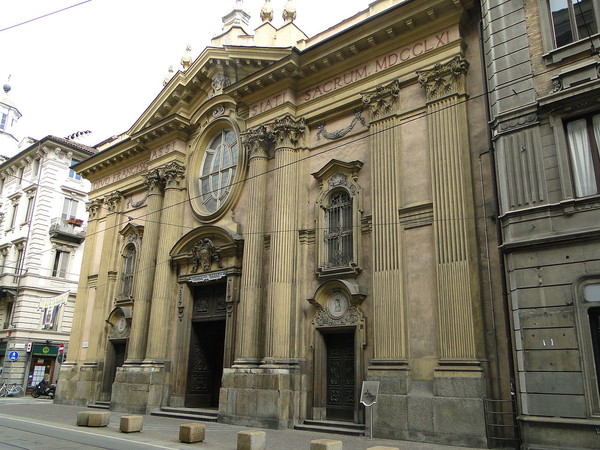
{"points": [[283, 224]]}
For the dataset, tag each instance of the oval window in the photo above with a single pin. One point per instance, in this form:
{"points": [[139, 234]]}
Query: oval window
{"points": [[217, 170]]}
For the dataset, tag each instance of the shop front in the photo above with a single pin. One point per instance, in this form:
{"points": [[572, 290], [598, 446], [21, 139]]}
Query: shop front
{"points": [[43, 364]]}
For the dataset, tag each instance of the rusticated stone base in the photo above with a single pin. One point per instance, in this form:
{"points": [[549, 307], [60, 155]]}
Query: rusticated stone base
{"points": [[540, 433], [266, 398], [138, 388], [446, 410], [78, 384]]}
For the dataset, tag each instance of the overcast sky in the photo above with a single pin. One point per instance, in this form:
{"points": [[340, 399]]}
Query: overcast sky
{"points": [[97, 66]]}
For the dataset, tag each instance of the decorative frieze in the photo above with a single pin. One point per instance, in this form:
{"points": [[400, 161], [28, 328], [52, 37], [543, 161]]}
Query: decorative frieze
{"points": [[342, 132], [444, 78]]}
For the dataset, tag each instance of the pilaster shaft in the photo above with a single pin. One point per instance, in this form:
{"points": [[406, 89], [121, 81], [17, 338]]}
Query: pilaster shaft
{"points": [[144, 275], [162, 307], [284, 242], [388, 297], [248, 346], [453, 208]]}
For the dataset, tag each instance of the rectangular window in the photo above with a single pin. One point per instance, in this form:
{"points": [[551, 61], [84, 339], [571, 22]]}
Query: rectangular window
{"points": [[72, 173], [583, 136], [61, 262], [29, 212], [9, 313], [35, 167], [13, 215], [19, 261], [572, 20], [69, 209], [20, 174], [3, 121]]}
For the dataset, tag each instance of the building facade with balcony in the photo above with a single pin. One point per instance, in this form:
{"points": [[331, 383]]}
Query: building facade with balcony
{"points": [[543, 73], [293, 217], [42, 229]]}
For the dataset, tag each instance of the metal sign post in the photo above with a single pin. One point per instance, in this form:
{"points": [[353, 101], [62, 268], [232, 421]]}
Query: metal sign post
{"points": [[368, 397]]}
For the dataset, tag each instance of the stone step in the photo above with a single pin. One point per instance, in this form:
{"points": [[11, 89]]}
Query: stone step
{"points": [[99, 405], [349, 429], [335, 423], [205, 415]]}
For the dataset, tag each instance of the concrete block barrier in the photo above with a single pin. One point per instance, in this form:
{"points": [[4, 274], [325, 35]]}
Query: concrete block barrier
{"points": [[98, 418], [383, 447], [131, 424], [251, 440], [325, 444], [191, 432], [83, 418]]}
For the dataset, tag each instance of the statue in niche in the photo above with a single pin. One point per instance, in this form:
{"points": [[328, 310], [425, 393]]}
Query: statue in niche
{"points": [[204, 253]]}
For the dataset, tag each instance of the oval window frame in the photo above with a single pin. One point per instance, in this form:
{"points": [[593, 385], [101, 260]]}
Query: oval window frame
{"points": [[201, 146]]}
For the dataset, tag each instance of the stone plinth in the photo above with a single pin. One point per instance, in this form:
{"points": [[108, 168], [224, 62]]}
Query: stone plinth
{"points": [[191, 432], [131, 424], [251, 440], [325, 444]]}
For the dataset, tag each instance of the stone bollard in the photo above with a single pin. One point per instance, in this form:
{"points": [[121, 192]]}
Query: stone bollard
{"points": [[98, 419], [131, 424], [82, 418], [191, 432], [325, 444], [251, 440], [382, 447]]}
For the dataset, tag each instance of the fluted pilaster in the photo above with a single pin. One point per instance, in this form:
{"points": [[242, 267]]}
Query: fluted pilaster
{"points": [[248, 352], [144, 275], [162, 307], [287, 133], [388, 288], [452, 208]]}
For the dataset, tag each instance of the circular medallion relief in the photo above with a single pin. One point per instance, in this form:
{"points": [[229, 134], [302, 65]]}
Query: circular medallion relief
{"points": [[121, 324], [337, 305]]}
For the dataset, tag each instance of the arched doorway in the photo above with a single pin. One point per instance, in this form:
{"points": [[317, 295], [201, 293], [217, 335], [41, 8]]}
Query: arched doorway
{"points": [[119, 321]]}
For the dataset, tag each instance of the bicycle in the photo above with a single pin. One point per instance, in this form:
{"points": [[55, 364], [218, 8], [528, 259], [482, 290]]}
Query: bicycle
{"points": [[13, 390]]}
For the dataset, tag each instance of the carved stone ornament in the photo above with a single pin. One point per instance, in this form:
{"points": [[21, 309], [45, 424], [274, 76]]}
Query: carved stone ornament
{"points": [[324, 319], [342, 132], [204, 254], [287, 132], [444, 79], [120, 329], [154, 180], [113, 199], [138, 203], [173, 174], [381, 100], [219, 111], [219, 83], [180, 305], [257, 141], [94, 207]]}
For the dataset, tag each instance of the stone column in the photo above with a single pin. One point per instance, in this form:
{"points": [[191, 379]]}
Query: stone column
{"points": [[453, 209], [144, 274], [284, 243], [389, 328], [248, 351], [106, 278], [165, 287]]}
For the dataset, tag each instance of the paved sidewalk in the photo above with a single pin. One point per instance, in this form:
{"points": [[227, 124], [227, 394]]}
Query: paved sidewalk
{"points": [[164, 432]]}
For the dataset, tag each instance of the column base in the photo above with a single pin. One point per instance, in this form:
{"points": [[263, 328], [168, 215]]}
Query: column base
{"points": [[263, 397], [139, 388], [246, 363], [78, 383]]}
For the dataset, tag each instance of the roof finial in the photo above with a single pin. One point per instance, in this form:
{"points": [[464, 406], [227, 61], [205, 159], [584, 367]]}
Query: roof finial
{"points": [[7, 87], [186, 60], [169, 76], [289, 12], [266, 13]]}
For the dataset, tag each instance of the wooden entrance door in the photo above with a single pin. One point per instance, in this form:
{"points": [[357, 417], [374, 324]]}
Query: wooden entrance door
{"points": [[340, 376], [207, 346]]}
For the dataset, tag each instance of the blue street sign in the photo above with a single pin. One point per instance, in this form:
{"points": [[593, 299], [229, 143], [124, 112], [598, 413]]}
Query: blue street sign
{"points": [[13, 356]]}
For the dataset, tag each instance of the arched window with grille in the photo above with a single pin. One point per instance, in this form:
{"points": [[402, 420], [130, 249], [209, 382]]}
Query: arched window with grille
{"points": [[339, 233], [129, 256]]}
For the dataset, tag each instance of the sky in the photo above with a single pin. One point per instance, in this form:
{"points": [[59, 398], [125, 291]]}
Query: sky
{"points": [[97, 66]]}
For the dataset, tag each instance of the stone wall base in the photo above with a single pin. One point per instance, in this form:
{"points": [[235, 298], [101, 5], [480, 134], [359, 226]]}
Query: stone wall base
{"points": [[139, 388], [447, 410], [552, 433], [266, 398], [79, 384]]}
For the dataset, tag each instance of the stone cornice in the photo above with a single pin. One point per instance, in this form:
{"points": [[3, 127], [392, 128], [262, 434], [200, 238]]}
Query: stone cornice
{"points": [[444, 79]]}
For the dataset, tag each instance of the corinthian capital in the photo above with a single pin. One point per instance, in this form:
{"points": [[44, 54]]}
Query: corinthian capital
{"points": [[287, 132], [154, 181], [257, 141], [381, 100], [444, 79], [113, 199], [93, 207], [173, 174]]}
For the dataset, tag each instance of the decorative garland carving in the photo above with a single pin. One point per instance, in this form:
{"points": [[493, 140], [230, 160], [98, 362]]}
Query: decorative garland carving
{"points": [[381, 100], [444, 79], [139, 203], [342, 132]]}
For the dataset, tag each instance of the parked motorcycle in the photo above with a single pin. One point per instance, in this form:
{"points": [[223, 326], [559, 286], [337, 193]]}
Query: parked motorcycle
{"points": [[44, 388]]}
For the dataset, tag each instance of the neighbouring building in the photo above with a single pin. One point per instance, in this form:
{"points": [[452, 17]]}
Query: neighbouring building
{"points": [[42, 229], [294, 216], [543, 73]]}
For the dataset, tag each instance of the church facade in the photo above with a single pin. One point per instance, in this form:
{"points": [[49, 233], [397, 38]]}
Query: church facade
{"points": [[286, 222]]}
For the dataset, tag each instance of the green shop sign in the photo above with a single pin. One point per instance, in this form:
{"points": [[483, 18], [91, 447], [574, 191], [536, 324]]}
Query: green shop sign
{"points": [[44, 350]]}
